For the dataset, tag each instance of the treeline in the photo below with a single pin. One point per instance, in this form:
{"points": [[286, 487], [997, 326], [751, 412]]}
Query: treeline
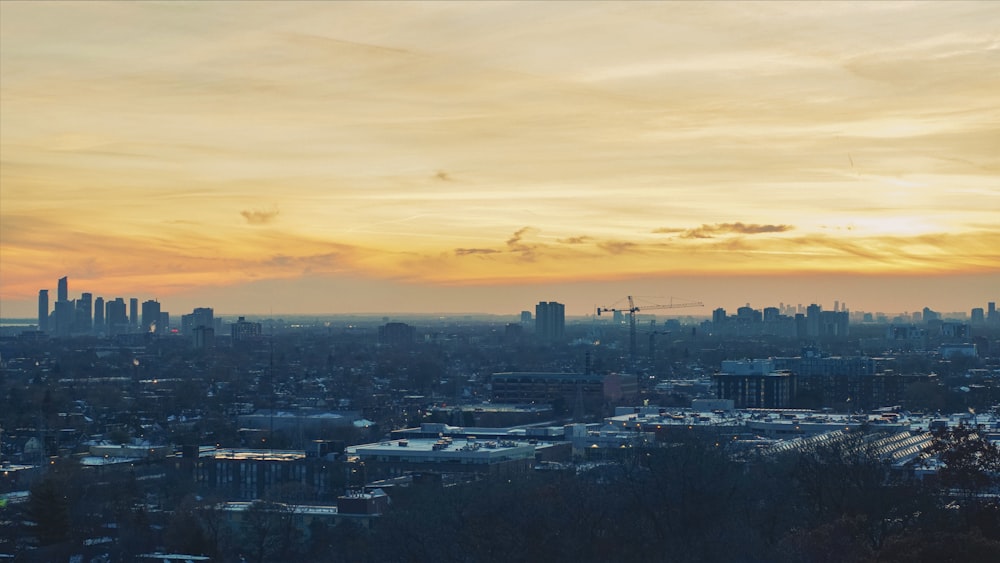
{"points": [[690, 502]]}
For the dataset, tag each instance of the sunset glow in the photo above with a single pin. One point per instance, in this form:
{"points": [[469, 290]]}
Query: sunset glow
{"points": [[335, 156]]}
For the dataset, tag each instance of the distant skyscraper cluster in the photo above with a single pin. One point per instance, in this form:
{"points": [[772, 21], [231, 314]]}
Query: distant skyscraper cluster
{"points": [[89, 315], [991, 315], [813, 322], [797, 322]]}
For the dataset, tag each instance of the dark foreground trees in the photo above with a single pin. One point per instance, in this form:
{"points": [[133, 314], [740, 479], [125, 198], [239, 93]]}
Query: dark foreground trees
{"points": [[688, 502], [691, 502]]}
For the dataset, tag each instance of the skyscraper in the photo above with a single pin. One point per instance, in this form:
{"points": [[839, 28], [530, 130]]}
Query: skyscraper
{"points": [[115, 317], [43, 310], [150, 315], [62, 294], [65, 313], [133, 312], [83, 322], [813, 323], [977, 316], [550, 321], [64, 310], [99, 315]]}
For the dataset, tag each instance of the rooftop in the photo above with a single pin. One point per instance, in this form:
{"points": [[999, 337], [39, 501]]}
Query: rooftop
{"points": [[482, 451], [253, 455]]}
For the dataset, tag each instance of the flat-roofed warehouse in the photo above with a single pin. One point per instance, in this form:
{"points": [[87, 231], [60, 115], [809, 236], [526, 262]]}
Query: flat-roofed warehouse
{"points": [[444, 455]]}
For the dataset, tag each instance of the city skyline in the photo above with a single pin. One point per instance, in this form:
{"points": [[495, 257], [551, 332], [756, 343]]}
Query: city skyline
{"points": [[314, 158], [48, 313]]}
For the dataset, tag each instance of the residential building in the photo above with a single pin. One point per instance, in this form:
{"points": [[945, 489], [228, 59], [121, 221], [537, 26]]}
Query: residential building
{"points": [[43, 310], [754, 384], [550, 321], [150, 315], [566, 392], [243, 329]]}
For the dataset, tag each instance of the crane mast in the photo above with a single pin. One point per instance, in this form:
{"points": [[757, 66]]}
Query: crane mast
{"points": [[632, 310]]}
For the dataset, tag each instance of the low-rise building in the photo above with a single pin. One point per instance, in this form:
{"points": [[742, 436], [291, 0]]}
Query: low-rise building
{"points": [[771, 390], [249, 473], [567, 392], [444, 455]]}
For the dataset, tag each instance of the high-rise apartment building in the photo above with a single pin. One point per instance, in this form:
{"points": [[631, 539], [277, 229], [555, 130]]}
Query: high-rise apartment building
{"points": [[65, 313], [62, 293], [718, 316], [204, 337], [813, 323], [550, 321], [748, 315], [115, 316], [754, 384], [99, 315], [834, 324], [396, 334], [150, 315], [133, 312], [200, 317], [43, 310], [83, 321], [243, 329]]}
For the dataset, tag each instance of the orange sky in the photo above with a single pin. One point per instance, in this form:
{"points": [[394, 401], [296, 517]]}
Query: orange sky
{"points": [[342, 157]]}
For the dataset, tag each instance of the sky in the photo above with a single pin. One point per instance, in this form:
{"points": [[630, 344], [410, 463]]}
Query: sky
{"points": [[341, 157]]}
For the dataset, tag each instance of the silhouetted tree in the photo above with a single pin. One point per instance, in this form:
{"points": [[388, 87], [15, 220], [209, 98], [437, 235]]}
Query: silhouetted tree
{"points": [[184, 532], [269, 532], [48, 510], [971, 463], [970, 476]]}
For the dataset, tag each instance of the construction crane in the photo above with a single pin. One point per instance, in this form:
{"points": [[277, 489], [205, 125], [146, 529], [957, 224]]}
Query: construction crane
{"points": [[633, 309]]}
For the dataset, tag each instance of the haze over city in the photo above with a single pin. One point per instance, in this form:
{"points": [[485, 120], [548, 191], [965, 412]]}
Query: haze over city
{"points": [[318, 158]]}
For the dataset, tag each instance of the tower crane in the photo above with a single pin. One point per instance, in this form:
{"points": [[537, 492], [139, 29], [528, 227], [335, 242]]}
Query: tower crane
{"points": [[633, 309]]}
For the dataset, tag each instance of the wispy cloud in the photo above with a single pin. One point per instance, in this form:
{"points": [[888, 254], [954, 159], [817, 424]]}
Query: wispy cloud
{"points": [[259, 217], [468, 251], [619, 246], [722, 229], [430, 140], [517, 245]]}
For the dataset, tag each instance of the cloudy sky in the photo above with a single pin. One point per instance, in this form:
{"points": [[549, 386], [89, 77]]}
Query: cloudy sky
{"points": [[479, 157]]}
